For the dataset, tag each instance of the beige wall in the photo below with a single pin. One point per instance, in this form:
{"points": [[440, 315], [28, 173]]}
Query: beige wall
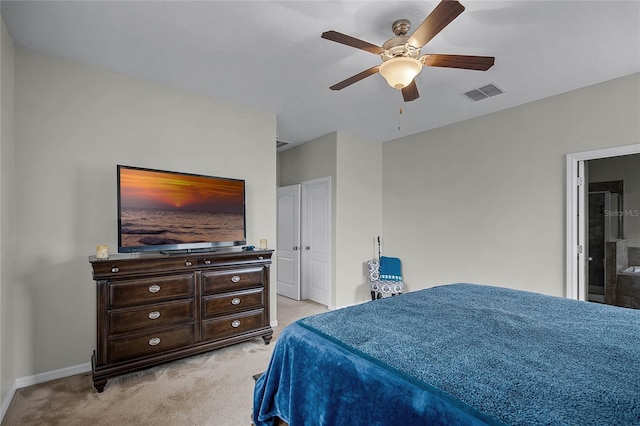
{"points": [[627, 169], [483, 200], [73, 124], [354, 167], [311, 160], [358, 216], [7, 216]]}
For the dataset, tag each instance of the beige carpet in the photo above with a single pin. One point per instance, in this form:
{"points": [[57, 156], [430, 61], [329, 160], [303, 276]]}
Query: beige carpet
{"points": [[215, 388]]}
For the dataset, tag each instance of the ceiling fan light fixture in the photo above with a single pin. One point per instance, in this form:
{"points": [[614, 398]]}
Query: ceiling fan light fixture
{"points": [[400, 71]]}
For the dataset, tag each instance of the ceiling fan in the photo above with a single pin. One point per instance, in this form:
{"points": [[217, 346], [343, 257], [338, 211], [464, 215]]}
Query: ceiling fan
{"points": [[401, 54]]}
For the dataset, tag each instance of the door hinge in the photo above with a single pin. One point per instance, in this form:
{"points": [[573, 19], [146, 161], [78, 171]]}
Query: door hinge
{"points": [[579, 181], [580, 249]]}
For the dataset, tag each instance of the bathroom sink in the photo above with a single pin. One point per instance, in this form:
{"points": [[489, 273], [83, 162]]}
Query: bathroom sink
{"points": [[632, 270]]}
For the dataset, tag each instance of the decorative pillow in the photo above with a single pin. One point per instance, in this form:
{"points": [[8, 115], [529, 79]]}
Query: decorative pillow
{"points": [[390, 269]]}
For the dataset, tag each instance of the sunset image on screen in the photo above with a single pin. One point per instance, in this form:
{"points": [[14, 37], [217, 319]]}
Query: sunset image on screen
{"points": [[150, 189], [165, 208]]}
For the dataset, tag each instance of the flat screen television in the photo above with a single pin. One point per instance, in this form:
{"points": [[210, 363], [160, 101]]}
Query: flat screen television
{"points": [[174, 212]]}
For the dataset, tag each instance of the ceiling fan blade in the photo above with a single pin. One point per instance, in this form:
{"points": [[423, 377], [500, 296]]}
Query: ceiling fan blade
{"points": [[355, 78], [467, 62], [410, 93], [445, 12], [352, 41]]}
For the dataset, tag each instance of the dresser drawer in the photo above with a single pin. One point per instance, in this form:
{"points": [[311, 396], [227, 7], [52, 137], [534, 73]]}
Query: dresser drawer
{"points": [[150, 290], [150, 316], [230, 325], [149, 343], [221, 304], [232, 279]]}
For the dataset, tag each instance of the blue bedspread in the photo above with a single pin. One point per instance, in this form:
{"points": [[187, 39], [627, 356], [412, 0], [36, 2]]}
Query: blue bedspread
{"points": [[457, 354]]}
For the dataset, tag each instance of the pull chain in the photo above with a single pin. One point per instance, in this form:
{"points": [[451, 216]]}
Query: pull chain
{"points": [[399, 117]]}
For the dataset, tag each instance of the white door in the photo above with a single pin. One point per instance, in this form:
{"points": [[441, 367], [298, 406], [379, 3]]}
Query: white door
{"points": [[583, 240], [316, 240], [288, 245]]}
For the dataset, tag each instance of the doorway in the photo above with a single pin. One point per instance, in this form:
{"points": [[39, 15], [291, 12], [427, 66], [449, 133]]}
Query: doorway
{"points": [[304, 241], [577, 216], [603, 227]]}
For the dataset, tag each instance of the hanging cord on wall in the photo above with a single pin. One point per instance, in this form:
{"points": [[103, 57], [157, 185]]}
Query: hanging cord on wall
{"points": [[378, 247]]}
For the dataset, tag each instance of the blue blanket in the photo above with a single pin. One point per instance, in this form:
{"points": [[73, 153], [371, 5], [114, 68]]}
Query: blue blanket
{"points": [[457, 354]]}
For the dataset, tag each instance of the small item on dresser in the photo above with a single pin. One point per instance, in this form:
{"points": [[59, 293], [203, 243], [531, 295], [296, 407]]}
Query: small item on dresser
{"points": [[263, 243], [102, 252], [248, 248]]}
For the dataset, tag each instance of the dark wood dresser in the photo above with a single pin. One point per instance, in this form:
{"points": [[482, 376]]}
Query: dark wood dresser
{"points": [[155, 308]]}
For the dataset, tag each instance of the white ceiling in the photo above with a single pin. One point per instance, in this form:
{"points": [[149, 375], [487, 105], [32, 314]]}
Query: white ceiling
{"points": [[269, 55]]}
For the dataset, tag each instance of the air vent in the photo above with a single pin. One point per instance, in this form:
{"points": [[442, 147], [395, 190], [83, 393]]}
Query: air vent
{"points": [[483, 92], [280, 144]]}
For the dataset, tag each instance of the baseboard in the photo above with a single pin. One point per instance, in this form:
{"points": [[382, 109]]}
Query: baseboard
{"points": [[23, 382], [7, 401]]}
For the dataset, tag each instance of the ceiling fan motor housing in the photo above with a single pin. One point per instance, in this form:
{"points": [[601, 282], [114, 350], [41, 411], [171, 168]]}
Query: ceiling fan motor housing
{"points": [[401, 27], [397, 46]]}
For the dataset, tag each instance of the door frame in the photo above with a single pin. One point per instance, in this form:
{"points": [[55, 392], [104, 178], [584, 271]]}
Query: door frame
{"points": [[576, 193]]}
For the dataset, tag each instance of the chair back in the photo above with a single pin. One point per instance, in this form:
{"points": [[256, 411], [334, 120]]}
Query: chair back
{"points": [[374, 270]]}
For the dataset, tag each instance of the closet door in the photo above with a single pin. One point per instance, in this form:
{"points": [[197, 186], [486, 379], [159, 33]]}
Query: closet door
{"points": [[288, 245], [316, 240]]}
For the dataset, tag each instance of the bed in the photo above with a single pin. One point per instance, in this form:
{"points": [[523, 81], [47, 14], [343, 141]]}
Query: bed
{"points": [[458, 354]]}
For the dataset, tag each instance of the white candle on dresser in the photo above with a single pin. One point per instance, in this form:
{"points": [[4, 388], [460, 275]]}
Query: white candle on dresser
{"points": [[102, 252]]}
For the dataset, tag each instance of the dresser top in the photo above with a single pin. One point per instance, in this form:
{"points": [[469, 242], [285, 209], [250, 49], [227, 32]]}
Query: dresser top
{"points": [[143, 255], [150, 262]]}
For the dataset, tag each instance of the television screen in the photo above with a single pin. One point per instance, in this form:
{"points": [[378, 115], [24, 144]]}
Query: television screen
{"points": [[162, 210]]}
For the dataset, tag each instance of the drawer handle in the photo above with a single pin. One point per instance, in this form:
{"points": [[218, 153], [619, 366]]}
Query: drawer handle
{"points": [[207, 262], [154, 288], [235, 278], [188, 263], [234, 324], [154, 341], [154, 315], [235, 301], [260, 258], [115, 269]]}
